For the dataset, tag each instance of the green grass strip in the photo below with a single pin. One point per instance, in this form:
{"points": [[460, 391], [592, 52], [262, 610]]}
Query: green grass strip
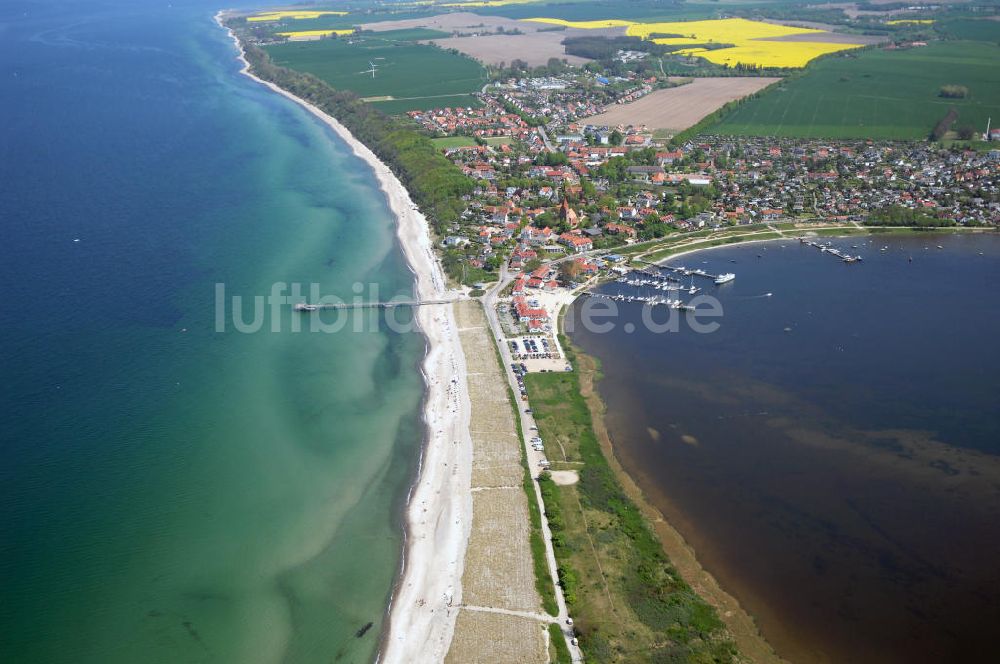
{"points": [[561, 650]]}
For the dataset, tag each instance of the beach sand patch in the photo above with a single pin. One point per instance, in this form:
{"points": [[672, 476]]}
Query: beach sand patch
{"points": [[564, 477]]}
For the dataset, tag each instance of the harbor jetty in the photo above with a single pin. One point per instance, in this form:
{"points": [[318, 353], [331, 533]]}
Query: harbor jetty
{"points": [[693, 272]]}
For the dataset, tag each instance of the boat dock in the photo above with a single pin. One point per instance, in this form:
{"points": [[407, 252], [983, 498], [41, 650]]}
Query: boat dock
{"points": [[651, 300], [695, 272], [656, 283], [833, 251], [689, 272], [718, 279]]}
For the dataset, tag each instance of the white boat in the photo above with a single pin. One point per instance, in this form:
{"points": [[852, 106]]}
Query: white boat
{"points": [[725, 278]]}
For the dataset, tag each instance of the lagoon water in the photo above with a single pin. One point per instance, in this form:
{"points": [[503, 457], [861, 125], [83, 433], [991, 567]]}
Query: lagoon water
{"points": [[832, 452], [170, 493]]}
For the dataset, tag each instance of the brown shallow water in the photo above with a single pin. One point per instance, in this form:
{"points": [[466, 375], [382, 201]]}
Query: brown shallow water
{"points": [[832, 464]]}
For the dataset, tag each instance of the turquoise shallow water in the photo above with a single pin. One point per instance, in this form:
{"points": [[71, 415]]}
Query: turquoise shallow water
{"points": [[171, 493]]}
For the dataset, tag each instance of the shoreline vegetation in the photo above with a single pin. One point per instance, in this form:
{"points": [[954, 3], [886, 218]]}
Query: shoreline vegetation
{"points": [[679, 244]]}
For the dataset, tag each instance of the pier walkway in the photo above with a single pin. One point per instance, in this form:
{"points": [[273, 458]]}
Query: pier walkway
{"points": [[828, 248], [685, 271], [390, 304]]}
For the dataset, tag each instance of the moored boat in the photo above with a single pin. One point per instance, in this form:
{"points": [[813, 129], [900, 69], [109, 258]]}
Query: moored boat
{"points": [[725, 278]]}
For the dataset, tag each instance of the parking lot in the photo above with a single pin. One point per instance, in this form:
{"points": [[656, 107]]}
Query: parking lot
{"points": [[537, 353]]}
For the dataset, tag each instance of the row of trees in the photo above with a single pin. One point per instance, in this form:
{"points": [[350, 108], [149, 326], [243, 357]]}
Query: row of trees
{"points": [[944, 124], [520, 68]]}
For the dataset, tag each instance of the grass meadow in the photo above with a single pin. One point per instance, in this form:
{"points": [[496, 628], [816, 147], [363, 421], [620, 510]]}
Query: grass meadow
{"points": [[453, 142]]}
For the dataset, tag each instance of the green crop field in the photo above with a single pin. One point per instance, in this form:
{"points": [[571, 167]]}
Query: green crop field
{"points": [[634, 10], [876, 94], [413, 75], [411, 34]]}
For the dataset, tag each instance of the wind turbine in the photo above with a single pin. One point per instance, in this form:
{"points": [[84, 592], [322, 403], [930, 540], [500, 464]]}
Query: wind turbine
{"points": [[372, 70]]}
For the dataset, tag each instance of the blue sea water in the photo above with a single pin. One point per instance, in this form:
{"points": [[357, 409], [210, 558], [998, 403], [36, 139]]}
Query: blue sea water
{"points": [[832, 451], [168, 492]]}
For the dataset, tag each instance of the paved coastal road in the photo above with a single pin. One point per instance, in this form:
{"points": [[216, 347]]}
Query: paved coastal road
{"points": [[529, 428]]}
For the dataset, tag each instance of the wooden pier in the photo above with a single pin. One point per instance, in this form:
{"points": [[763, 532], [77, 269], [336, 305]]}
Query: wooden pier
{"points": [[697, 272], [829, 249], [391, 304], [652, 301]]}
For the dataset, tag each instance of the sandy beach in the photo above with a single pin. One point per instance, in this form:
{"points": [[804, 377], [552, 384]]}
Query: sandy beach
{"points": [[423, 609]]}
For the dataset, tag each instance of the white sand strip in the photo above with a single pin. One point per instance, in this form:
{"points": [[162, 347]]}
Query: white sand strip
{"points": [[439, 511]]}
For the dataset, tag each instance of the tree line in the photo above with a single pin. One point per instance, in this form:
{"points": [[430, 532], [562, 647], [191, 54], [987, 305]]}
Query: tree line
{"points": [[896, 215]]}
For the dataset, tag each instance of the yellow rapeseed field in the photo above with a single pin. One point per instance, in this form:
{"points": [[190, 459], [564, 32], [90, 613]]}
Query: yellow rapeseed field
{"points": [[905, 21], [315, 33], [728, 30], [771, 54], [751, 40], [299, 14]]}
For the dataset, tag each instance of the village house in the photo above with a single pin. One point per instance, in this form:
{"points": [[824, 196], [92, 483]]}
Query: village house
{"points": [[536, 236], [524, 312], [668, 158], [577, 243]]}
